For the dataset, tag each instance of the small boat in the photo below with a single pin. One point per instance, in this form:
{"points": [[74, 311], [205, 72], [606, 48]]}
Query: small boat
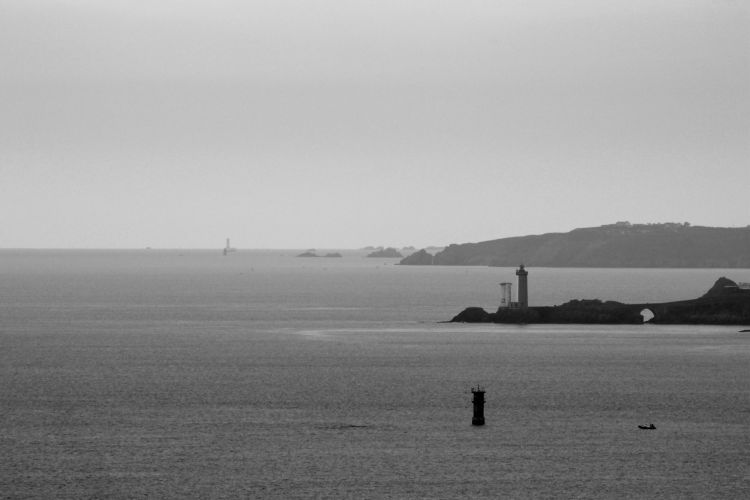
{"points": [[647, 427]]}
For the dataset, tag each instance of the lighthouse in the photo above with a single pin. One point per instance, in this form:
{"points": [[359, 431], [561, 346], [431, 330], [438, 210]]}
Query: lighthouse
{"points": [[523, 291], [478, 401], [228, 248]]}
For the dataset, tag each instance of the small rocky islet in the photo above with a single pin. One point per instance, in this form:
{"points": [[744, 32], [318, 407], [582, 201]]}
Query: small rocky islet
{"points": [[312, 253], [387, 253]]}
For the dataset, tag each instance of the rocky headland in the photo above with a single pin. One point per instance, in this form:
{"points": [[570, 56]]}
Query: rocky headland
{"points": [[725, 303], [419, 258]]}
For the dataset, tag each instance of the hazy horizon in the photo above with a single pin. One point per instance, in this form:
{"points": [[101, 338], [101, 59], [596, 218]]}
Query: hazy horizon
{"points": [[292, 124], [360, 248]]}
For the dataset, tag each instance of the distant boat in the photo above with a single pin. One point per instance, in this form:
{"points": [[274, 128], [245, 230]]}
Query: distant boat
{"points": [[648, 427], [228, 248]]}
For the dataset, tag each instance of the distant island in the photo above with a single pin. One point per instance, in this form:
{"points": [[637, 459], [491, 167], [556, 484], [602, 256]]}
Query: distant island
{"points": [[390, 253], [615, 245], [726, 303], [312, 253]]}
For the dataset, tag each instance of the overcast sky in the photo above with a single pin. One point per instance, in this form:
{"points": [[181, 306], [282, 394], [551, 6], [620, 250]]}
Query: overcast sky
{"points": [[322, 123]]}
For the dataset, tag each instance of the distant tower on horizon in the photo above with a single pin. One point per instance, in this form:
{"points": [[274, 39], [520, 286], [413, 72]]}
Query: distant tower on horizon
{"points": [[228, 248], [523, 291]]}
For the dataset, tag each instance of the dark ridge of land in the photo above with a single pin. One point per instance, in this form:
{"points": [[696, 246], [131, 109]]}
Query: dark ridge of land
{"points": [[614, 245], [724, 304]]}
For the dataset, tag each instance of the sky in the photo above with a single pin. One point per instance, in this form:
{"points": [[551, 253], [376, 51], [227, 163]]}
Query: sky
{"points": [[347, 123]]}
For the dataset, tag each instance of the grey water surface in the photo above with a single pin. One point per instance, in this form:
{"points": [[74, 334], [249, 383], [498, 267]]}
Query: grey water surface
{"points": [[172, 374]]}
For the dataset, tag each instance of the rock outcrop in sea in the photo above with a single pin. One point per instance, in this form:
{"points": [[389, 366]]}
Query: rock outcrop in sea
{"points": [[390, 253], [312, 253]]}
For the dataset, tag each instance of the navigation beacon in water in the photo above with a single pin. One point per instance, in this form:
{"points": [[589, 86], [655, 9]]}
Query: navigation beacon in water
{"points": [[478, 402]]}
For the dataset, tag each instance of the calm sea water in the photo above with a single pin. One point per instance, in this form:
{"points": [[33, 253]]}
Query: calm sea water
{"points": [[261, 375]]}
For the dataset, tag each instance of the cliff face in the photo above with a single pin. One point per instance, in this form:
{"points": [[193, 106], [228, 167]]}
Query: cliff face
{"points": [[616, 245]]}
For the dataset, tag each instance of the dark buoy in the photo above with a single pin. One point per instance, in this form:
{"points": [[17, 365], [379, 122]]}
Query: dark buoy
{"points": [[478, 400]]}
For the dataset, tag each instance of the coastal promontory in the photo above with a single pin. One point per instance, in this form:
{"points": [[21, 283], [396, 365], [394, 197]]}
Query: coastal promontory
{"points": [[418, 258], [725, 303]]}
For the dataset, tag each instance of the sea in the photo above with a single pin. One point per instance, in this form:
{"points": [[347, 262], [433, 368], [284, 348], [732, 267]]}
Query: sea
{"points": [[259, 374]]}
